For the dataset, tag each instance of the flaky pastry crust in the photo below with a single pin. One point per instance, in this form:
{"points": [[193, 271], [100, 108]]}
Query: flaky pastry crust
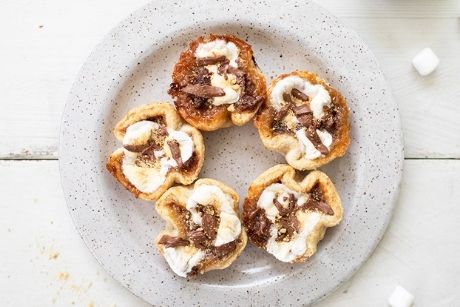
{"points": [[175, 226], [286, 175], [287, 144], [216, 117], [165, 113]]}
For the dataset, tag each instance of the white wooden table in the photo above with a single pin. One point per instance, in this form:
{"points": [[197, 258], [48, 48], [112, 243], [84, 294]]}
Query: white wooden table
{"points": [[44, 262]]}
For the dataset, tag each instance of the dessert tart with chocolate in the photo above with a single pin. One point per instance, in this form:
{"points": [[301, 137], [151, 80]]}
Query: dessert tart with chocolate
{"points": [[216, 83], [204, 231], [158, 151], [305, 119], [287, 217]]}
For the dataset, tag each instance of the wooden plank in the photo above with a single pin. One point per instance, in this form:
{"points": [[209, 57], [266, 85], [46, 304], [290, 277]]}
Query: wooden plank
{"points": [[44, 260], [50, 42], [42, 252], [392, 9]]}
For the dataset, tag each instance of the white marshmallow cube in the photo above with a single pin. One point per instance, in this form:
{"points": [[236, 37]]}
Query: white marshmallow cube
{"points": [[400, 298], [425, 62]]}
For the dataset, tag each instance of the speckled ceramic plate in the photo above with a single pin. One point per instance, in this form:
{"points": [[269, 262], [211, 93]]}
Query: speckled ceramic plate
{"points": [[132, 66]]}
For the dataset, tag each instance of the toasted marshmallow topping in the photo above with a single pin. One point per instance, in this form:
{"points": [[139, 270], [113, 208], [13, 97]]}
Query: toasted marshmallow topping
{"points": [[307, 147], [139, 133], [230, 226], [319, 96], [297, 246], [287, 251], [147, 179], [231, 88], [182, 259], [217, 48]]}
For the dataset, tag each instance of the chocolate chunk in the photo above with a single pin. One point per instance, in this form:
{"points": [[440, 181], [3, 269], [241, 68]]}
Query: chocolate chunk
{"points": [[222, 69], [316, 201], [210, 223], [258, 226], [223, 250], [235, 71], [314, 138], [198, 238], [136, 148], [205, 91], [247, 102], [287, 98], [299, 95], [306, 120], [290, 208], [175, 152], [302, 110], [290, 224], [282, 112], [210, 60], [170, 241], [203, 76]]}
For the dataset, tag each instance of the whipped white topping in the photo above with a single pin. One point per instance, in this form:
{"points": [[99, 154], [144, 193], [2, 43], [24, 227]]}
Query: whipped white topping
{"points": [[307, 147], [148, 179], [319, 96], [230, 226], [218, 48], [231, 89], [139, 133], [287, 251], [182, 259], [145, 179]]}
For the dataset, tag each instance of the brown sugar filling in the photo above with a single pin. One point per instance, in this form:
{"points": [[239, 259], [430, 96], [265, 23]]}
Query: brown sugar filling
{"points": [[258, 225], [199, 236], [194, 91], [299, 104]]}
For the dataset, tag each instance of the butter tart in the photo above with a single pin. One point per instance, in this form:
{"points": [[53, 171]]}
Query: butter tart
{"points": [[204, 230], [158, 151], [287, 217], [305, 119], [217, 83]]}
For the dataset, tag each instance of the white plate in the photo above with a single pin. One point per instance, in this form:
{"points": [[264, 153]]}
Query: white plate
{"points": [[132, 66]]}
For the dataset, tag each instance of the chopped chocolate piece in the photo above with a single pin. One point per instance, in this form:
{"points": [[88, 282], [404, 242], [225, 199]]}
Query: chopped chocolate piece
{"points": [[175, 152], [316, 201], [287, 98], [289, 225], [314, 138], [258, 226], [223, 250], [223, 68], [198, 238], [299, 95], [203, 76], [136, 148], [305, 119], [247, 102], [210, 223], [170, 241], [205, 91], [301, 110], [150, 150], [235, 71], [210, 60]]}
